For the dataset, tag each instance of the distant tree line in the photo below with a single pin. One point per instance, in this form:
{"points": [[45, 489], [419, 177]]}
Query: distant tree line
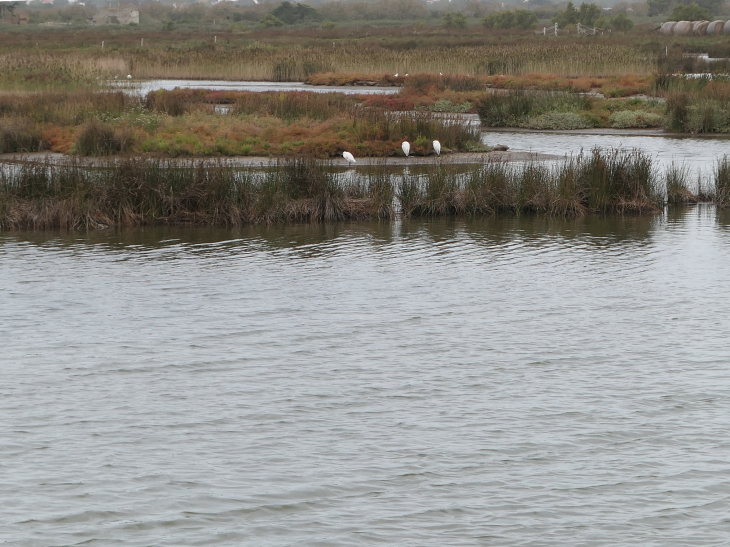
{"points": [[455, 15], [590, 15], [685, 10], [520, 18]]}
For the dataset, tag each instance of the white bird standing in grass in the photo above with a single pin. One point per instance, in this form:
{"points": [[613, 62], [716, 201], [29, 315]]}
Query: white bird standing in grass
{"points": [[129, 76], [437, 147], [406, 146], [349, 157]]}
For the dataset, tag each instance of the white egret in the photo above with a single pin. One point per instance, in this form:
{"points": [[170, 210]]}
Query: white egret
{"points": [[406, 146], [129, 76], [437, 147], [396, 74], [349, 157]]}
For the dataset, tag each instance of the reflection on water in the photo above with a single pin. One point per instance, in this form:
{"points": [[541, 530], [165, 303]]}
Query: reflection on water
{"points": [[508, 381]]}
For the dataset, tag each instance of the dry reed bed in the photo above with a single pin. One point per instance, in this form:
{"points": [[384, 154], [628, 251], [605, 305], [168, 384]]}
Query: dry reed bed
{"points": [[138, 191], [249, 60]]}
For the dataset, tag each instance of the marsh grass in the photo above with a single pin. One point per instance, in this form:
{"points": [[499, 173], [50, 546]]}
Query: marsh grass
{"points": [[19, 135], [676, 179], [419, 128], [519, 108], [722, 181], [295, 105], [137, 191], [610, 181], [97, 139], [77, 61]]}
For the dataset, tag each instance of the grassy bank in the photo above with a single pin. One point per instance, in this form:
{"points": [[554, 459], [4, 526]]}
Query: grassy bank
{"points": [[186, 123], [696, 105], [139, 191]]}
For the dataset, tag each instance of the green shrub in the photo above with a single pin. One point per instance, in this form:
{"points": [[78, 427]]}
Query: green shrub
{"points": [[707, 117], [454, 20], [622, 23], [292, 14], [520, 18], [558, 120], [271, 21], [677, 111], [626, 119], [691, 12], [445, 105]]}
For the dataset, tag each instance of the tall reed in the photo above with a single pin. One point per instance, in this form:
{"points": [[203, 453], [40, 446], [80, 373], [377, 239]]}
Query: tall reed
{"points": [[676, 179], [133, 191], [610, 181], [722, 181]]}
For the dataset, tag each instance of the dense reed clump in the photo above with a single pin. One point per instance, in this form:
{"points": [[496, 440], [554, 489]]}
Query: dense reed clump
{"points": [[722, 181], [97, 139], [676, 179], [695, 105], [538, 111], [604, 182], [19, 135], [138, 191], [419, 128]]}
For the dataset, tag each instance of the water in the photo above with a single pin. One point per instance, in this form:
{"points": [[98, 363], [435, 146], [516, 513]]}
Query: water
{"points": [[146, 86], [698, 154], [488, 382]]}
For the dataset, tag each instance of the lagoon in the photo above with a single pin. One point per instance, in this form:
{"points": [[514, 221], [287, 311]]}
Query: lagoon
{"points": [[501, 381]]}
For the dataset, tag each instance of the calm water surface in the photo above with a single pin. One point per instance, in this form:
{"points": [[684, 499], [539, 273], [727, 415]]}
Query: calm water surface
{"points": [[493, 382], [146, 86], [700, 155]]}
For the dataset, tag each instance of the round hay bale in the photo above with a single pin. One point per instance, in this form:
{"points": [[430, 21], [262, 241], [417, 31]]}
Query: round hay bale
{"points": [[715, 27], [667, 27], [683, 28], [700, 28], [726, 28]]}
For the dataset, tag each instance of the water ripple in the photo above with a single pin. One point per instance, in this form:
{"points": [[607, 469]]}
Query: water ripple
{"points": [[505, 381]]}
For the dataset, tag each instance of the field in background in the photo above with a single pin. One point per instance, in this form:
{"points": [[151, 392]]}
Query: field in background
{"points": [[65, 59]]}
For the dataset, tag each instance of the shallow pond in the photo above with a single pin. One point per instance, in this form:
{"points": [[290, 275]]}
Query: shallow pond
{"points": [[503, 381], [144, 87], [699, 154]]}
